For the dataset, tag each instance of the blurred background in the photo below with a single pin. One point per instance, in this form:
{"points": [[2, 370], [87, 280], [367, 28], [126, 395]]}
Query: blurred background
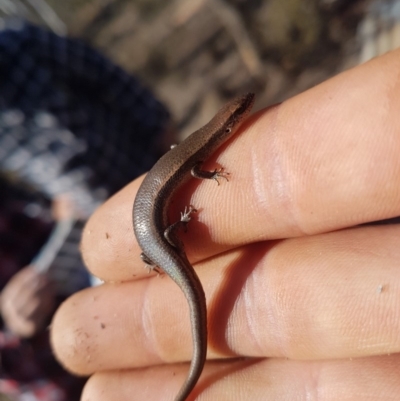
{"points": [[197, 54]]}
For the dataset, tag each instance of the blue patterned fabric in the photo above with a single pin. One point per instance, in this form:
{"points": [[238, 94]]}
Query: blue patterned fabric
{"points": [[71, 118], [71, 122]]}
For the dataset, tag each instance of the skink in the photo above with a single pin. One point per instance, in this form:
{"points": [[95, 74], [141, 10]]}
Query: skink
{"points": [[158, 238]]}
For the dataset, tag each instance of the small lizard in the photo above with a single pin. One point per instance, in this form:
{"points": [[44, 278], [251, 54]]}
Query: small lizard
{"points": [[158, 239]]}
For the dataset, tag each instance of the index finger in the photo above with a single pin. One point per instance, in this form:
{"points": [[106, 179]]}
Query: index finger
{"points": [[323, 160]]}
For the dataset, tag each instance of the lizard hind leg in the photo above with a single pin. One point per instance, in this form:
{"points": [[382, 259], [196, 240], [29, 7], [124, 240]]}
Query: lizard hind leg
{"points": [[150, 266]]}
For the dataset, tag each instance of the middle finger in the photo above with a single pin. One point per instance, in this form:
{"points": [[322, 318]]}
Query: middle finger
{"points": [[332, 295]]}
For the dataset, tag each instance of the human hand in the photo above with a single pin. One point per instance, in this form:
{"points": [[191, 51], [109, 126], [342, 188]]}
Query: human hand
{"points": [[26, 302], [310, 300]]}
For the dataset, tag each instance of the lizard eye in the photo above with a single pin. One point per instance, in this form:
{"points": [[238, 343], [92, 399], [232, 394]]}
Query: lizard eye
{"points": [[228, 130]]}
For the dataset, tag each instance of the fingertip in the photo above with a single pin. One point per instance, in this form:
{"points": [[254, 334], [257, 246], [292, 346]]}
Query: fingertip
{"points": [[68, 337], [108, 245]]}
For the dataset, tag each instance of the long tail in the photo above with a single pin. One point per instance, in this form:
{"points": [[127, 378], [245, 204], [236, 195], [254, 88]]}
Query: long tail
{"points": [[193, 290]]}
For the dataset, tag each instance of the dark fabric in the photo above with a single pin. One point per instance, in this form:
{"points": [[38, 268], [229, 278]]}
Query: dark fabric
{"points": [[25, 224], [57, 85], [71, 122]]}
